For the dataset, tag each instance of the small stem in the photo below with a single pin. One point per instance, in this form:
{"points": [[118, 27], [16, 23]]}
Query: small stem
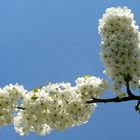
{"points": [[137, 106], [128, 90], [19, 107], [127, 79]]}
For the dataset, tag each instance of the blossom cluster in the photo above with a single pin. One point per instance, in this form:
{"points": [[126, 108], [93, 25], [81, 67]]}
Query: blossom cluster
{"points": [[120, 46], [58, 106], [9, 96]]}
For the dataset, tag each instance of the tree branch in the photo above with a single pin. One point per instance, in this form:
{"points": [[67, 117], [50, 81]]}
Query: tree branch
{"points": [[116, 99]]}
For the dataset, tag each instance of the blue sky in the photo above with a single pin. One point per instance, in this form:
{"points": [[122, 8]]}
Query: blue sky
{"points": [[57, 40]]}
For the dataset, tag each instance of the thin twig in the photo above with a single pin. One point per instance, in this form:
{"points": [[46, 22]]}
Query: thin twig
{"points": [[130, 94], [19, 107], [137, 106]]}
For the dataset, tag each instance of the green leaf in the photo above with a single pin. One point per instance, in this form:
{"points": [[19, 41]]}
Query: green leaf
{"points": [[47, 82], [87, 76], [41, 85], [35, 90], [34, 97], [122, 95]]}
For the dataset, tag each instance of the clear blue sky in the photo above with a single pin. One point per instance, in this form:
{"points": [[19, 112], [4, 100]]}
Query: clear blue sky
{"points": [[57, 40]]}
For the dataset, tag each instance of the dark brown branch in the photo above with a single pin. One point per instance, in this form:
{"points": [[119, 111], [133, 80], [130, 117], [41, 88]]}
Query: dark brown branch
{"points": [[116, 99], [130, 96]]}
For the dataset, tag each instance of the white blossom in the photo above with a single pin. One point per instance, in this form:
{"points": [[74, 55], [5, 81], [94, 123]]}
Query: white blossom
{"points": [[9, 96], [120, 46], [58, 106]]}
